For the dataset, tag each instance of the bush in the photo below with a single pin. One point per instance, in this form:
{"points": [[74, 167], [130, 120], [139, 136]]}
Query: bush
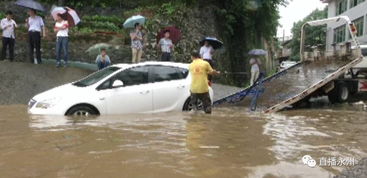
{"points": [[2, 15], [91, 24]]}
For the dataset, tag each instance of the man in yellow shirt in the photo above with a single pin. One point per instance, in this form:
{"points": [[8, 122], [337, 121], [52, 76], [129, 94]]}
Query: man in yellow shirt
{"points": [[199, 70]]}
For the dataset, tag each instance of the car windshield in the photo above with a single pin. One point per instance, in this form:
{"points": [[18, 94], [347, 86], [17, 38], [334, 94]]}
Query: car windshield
{"points": [[96, 77]]}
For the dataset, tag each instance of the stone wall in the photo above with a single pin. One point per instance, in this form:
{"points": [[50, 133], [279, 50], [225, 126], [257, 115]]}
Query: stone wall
{"points": [[194, 23]]}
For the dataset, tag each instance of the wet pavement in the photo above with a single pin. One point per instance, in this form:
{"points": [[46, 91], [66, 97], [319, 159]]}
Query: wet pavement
{"points": [[229, 143], [19, 82]]}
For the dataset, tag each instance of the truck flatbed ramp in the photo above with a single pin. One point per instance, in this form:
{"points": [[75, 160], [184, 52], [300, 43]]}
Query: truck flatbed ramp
{"points": [[293, 84], [289, 86]]}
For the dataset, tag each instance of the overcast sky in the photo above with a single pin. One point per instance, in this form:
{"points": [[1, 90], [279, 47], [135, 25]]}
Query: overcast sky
{"points": [[295, 11]]}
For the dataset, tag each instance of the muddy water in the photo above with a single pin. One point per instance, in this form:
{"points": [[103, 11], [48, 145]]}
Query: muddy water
{"points": [[230, 143]]}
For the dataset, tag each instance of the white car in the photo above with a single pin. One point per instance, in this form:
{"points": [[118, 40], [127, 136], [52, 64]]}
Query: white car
{"points": [[148, 87], [287, 64]]}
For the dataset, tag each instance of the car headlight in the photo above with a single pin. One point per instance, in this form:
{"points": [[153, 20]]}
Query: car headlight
{"points": [[31, 103], [48, 103]]}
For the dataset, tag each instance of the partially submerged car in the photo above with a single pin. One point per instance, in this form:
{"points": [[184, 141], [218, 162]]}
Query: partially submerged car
{"points": [[148, 87]]}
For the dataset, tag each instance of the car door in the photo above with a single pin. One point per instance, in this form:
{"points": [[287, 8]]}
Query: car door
{"points": [[170, 88], [134, 96]]}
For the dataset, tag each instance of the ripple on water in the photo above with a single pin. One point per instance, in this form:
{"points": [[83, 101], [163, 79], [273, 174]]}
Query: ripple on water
{"points": [[229, 143]]}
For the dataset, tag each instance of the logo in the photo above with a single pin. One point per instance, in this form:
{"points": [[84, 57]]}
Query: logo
{"points": [[309, 161]]}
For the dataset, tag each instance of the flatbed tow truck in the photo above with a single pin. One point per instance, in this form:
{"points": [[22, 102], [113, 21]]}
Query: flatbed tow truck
{"points": [[335, 77]]}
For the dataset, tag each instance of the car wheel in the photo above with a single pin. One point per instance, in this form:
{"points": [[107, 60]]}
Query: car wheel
{"points": [[339, 94], [189, 107], [82, 110]]}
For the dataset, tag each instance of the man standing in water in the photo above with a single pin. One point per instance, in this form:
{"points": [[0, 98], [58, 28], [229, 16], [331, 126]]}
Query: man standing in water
{"points": [[8, 26], [35, 26], [199, 70]]}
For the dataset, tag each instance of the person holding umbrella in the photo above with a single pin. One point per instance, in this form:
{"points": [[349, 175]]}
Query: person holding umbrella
{"points": [[255, 70], [62, 40], [35, 27], [137, 43], [8, 26], [255, 64], [166, 46], [206, 52]]}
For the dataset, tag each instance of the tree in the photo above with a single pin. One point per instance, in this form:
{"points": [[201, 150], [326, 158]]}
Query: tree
{"points": [[314, 35], [245, 25]]}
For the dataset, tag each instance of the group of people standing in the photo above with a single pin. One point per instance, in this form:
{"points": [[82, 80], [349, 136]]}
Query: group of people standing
{"points": [[137, 36], [36, 30]]}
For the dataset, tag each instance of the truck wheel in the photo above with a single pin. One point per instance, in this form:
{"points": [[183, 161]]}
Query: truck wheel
{"points": [[340, 93]]}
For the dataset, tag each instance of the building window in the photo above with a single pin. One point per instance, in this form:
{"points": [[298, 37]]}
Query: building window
{"points": [[354, 3], [339, 34], [341, 6], [359, 23]]}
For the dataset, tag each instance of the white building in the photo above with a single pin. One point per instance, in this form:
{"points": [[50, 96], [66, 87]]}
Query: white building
{"points": [[337, 33]]}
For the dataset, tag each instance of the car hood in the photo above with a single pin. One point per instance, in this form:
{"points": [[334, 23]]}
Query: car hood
{"points": [[63, 91]]}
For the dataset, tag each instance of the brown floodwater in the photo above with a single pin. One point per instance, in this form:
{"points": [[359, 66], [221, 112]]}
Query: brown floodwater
{"points": [[230, 143]]}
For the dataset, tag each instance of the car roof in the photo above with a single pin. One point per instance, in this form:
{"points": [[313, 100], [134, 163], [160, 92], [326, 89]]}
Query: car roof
{"points": [[171, 64]]}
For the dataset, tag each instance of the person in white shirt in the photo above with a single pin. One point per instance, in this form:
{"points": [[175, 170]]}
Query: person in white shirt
{"points": [[62, 40], [35, 26], [166, 46], [8, 26], [255, 71], [206, 52]]}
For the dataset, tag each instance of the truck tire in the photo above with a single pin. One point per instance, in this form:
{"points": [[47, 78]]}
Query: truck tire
{"points": [[340, 94]]}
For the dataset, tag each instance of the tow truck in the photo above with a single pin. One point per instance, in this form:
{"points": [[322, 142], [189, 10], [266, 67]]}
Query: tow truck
{"points": [[338, 77]]}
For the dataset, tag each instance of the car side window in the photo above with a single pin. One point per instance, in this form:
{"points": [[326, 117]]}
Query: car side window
{"points": [[133, 76], [166, 73], [105, 85]]}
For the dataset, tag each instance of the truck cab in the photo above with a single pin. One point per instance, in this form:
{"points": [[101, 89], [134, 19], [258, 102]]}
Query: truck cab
{"points": [[353, 82]]}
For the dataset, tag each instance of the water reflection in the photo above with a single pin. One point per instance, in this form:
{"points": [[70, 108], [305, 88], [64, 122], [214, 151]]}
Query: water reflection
{"points": [[230, 143]]}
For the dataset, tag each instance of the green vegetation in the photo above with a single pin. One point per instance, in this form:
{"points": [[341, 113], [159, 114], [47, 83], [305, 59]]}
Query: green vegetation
{"points": [[2, 15], [316, 36], [242, 24], [96, 23], [245, 25], [127, 4]]}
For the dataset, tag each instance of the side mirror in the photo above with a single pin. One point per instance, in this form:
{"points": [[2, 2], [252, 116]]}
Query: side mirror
{"points": [[117, 84]]}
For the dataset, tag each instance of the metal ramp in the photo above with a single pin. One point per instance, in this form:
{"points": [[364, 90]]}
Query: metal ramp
{"points": [[289, 86], [292, 85]]}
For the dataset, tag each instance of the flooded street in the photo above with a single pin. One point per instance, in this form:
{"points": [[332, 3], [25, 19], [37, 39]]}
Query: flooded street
{"points": [[230, 143]]}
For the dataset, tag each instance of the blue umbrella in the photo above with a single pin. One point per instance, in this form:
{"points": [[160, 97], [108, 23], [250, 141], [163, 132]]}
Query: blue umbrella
{"points": [[130, 22], [214, 42], [258, 52], [31, 4]]}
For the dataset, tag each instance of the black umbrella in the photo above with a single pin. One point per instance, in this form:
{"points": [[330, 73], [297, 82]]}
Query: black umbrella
{"points": [[31, 4], [214, 42]]}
